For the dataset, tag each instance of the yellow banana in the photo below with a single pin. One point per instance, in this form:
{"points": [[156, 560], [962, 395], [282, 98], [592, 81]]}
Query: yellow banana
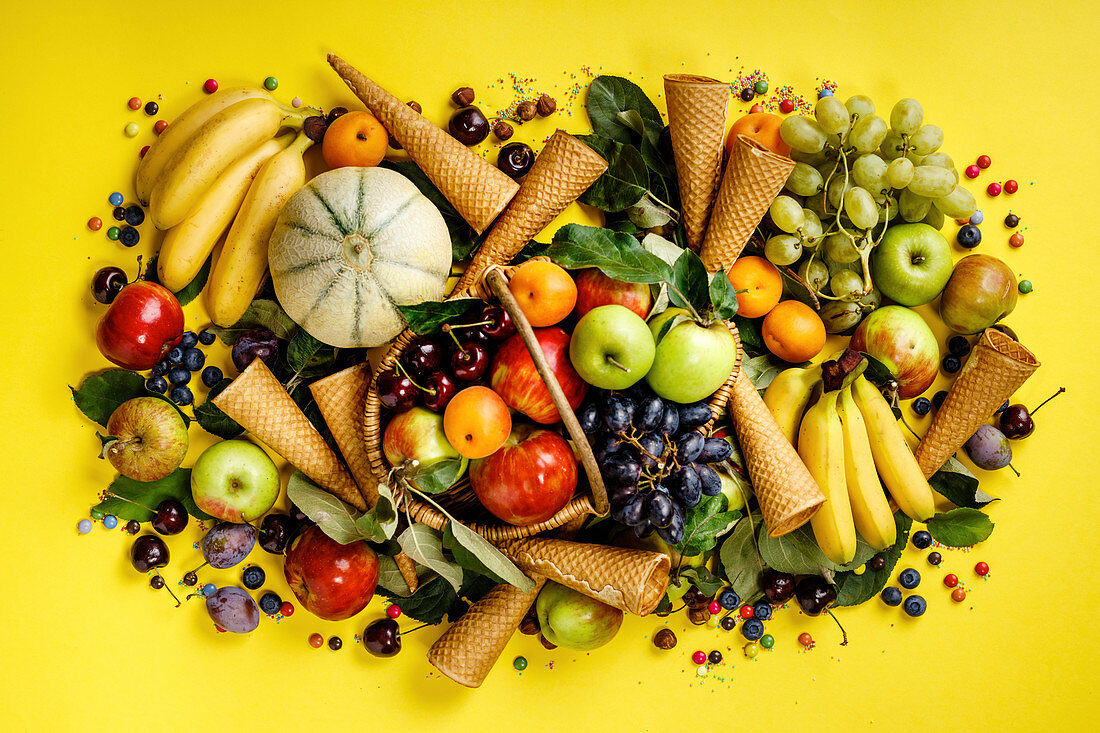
{"points": [[187, 245], [239, 270], [821, 447], [788, 395], [893, 458], [870, 509], [180, 131], [197, 164]]}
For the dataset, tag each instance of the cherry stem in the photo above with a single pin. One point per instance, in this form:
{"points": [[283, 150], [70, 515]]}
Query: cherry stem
{"points": [[447, 329], [168, 588], [842, 631], [1048, 399], [418, 628], [200, 567], [474, 325], [401, 370], [611, 360], [1014, 470]]}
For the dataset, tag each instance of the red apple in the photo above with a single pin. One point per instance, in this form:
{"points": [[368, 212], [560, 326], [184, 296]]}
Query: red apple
{"points": [[903, 342], [529, 479], [595, 289], [333, 581], [516, 380], [143, 323]]}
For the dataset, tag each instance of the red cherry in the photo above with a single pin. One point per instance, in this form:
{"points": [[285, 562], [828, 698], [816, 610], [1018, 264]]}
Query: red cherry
{"points": [[984, 161], [972, 171], [500, 324], [993, 189], [786, 106], [951, 580], [393, 611], [438, 391], [981, 569], [699, 657], [1011, 186], [396, 391], [746, 612], [470, 363]]}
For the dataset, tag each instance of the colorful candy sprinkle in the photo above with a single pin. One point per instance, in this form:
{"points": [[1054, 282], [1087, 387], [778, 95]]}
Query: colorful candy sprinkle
{"points": [[210, 86], [1024, 287], [519, 663], [84, 526], [95, 223], [134, 103], [984, 161], [1017, 239], [110, 521], [271, 83], [131, 129], [113, 233], [115, 199], [1011, 186]]}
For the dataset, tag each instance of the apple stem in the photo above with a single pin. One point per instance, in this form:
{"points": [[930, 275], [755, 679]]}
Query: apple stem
{"points": [[449, 330], [616, 364], [845, 633], [168, 588], [1048, 399]]}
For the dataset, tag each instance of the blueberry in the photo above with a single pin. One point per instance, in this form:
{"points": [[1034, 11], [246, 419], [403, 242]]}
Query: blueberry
{"points": [[891, 596], [206, 337], [728, 599], [951, 364], [129, 236], [909, 579], [752, 629], [188, 340], [193, 359], [156, 384], [211, 375], [762, 611], [119, 213], [915, 606], [181, 395], [253, 577], [270, 603], [179, 375], [160, 368], [134, 215], [922, 540], [969, 236], [922, 405], [958, 345], [938, 398], [175, 356]]}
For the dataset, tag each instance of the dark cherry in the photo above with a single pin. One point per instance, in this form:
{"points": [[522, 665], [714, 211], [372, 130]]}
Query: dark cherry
{"points": [[469, 126], [499, 326], [1016, 422], [299, 516], [396, 391], [468, 334], [515, 159], [107, 283], [423, 356], [171, 517], [382, 638], [471, 363], [276, 532], [814, 595], [777, 586], [148, 552], [439, 388]]}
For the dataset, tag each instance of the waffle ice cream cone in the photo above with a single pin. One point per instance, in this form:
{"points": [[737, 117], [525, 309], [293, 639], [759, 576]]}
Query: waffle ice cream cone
{"points": [[477, 189], [995, 370], [753, 177], [630, 580], [262, 406], [471, 646], [564, 169], [340, 398], [407, 567], [787, 493], [697, 123]]}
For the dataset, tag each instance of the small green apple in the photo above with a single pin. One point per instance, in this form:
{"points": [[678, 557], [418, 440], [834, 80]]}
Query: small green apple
{"points": [[573, 620], [611, 348], [911, 264], [691, 362], [235, 481]]}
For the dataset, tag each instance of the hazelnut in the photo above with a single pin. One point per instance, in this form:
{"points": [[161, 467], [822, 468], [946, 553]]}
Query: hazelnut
{"points": [[463, 96], [546, 105], [698, 616], [416, 106], [664, 639], [502, 130], [529, 626], [334, 113], [526, 111]]}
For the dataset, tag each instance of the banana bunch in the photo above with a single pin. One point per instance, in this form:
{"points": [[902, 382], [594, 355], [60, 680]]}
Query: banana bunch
{"points": [[852, 445], [229, 162]]}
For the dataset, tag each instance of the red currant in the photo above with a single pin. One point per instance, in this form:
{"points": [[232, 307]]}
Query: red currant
{"points": [[746, 612], [393, 611], [993, 189], [699, 657], [972, 171], [951, 580], [316, 640], [805, 639], [715, 608], [287, 609], [1011, 186], [984, 161], [981, 569], [958, 595], [786, 106]]}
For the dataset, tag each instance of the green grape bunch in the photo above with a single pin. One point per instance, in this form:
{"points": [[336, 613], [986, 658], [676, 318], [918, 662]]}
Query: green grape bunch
{"points": [[857, 174]]}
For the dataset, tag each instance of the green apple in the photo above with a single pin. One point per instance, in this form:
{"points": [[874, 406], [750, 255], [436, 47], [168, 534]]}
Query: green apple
{"points": [[691, 362], [611, 348], [573, 620], [235, 481], [982, 290], [417, 435], [911, 264]]}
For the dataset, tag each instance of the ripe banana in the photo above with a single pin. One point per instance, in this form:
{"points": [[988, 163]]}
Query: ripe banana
{"points": [[187, 245], [821, 447], [893, 458], [193, 169], [180, 131], [870, 509], [788, 395], [240, 268]]}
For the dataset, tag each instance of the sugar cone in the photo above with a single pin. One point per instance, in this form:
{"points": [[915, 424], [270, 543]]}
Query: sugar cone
{"points": [[995, 370], [262, 406], [630, 580], [697, 123], [340, 398], [407, 567], [477, 189], [753, 177], [786, 491], [563, 170]]}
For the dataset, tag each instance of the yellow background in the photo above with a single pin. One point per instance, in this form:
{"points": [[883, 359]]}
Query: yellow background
{"points": [[88, 645]]}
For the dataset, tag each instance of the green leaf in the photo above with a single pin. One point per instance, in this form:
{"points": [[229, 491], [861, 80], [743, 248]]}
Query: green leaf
{"points": [[261, 313], [761, 370], [99, 395], [193, 288], [751, 339], [212, 419], [670, 324], [852, 589], [437, 477], [307, 356], [704, 524], [794, 287], [176, 485], [426, 318], [625, 181], [390, 580], [476, 554], [741, 562], [425, 545], [333, 516], [690, 286], [960, 527], [795, 552], [430, 603], [876, 372], [611, 102], [723, 296], [703, 579], [617, 255], [955, 482], [380, 523]]}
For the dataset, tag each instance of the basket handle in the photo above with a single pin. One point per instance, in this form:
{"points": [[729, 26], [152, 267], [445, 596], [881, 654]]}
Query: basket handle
{"points": [[497, 283]]}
